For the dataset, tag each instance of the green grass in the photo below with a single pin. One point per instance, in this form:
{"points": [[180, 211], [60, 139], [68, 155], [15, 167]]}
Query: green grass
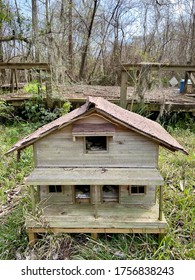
{"points": [[178, 171]]}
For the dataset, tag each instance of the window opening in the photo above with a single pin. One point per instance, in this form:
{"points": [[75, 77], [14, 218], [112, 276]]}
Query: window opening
{"points": [[55, 189], [110, 193], [137, 189], [82, 193], [96, 143]]}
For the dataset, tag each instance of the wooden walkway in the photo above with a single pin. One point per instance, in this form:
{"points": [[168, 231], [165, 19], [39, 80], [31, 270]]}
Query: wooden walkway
{"points": [[168, 99], [159, 99]]}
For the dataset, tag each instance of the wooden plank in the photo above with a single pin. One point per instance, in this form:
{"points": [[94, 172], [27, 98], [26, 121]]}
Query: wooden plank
{"points": [[110, 218], [148, 198], [59, 198], [7, 86], [94, 176], [93, 118], [128, 149], [96, 230], [22, 66], [158, 66], [93, 129]]}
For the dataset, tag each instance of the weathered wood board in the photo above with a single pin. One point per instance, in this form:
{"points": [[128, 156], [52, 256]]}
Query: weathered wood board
{"points": [[68, 196], [125, 149], [94, 176], [111, 216]]}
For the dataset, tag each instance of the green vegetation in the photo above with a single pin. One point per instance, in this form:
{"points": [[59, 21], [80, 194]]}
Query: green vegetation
{"points": [[179, 209], [34, 87], [34, 111]]}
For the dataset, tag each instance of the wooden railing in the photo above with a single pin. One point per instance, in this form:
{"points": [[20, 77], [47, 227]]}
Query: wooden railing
{"points": [[126, 67]]}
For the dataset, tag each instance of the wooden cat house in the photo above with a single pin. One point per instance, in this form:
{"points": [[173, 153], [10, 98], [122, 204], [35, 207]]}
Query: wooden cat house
{"points": [[96, 171]]}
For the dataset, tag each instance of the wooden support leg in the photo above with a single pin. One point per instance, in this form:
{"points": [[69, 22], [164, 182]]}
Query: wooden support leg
{"points": [[32, 236], [160, 203], [12, 81], [94, 235]]}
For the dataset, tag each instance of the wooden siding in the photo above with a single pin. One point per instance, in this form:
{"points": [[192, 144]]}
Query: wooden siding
{"points": [[148, 198], [64, 197], [68, 195], [126, 149]]}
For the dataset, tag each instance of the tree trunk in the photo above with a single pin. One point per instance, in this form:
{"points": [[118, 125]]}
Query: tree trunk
{"points": [[85, 49], [70, 39], [192, 47], [2, 72], [35, 30], [1, 33]]}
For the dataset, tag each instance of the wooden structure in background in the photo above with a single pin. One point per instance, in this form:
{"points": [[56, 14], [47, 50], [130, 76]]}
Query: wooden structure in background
{"points": [[166, 99], [14, 67], [188, 69], [96, 171]]}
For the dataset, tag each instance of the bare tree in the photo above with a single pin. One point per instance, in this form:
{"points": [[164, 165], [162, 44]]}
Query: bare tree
{"points": [[70, 38], [1, 32], [35, 30], [86, 45]]}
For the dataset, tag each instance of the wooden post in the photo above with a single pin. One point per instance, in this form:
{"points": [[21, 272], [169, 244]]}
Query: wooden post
{"points": [[192, 78], [186, 82], [160, 203], [32, 236], [123, 92], [33, 200], [94, 235], [12, 81], [16, 78], [161, 235], [49, 100], [95, 197]]}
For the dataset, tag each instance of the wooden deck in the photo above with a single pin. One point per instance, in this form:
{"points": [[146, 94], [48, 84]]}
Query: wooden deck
{"points": [[102, 218], [167, 98]]}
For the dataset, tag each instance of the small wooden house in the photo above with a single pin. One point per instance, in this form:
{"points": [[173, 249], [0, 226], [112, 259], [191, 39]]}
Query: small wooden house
{"points": [[96, 171]]}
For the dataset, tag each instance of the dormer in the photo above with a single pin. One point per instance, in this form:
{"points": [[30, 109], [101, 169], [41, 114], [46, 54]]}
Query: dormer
{"points": [[95, 136]]}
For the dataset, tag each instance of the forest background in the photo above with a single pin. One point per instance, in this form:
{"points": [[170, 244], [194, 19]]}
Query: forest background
{"points": [[87, 40]]}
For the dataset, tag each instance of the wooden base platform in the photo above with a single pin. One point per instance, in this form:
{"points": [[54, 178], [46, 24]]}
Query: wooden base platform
{"points": [[103, 218]]}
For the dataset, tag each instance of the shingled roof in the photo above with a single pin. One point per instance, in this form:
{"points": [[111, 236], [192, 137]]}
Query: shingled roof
{"points": [[133, 121]]}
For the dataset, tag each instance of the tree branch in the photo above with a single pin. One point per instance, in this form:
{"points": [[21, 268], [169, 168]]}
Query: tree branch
{"points": [[12, 38]]}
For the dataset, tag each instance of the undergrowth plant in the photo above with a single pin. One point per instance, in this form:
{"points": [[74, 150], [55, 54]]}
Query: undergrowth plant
{"points": [[34, 87], [37, 112]]}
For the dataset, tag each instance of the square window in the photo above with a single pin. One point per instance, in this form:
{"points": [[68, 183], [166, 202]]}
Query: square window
{"points": [[137, 189], [55, 189], [134, 190], [95, 143], [110, 193], [82, 193]]}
